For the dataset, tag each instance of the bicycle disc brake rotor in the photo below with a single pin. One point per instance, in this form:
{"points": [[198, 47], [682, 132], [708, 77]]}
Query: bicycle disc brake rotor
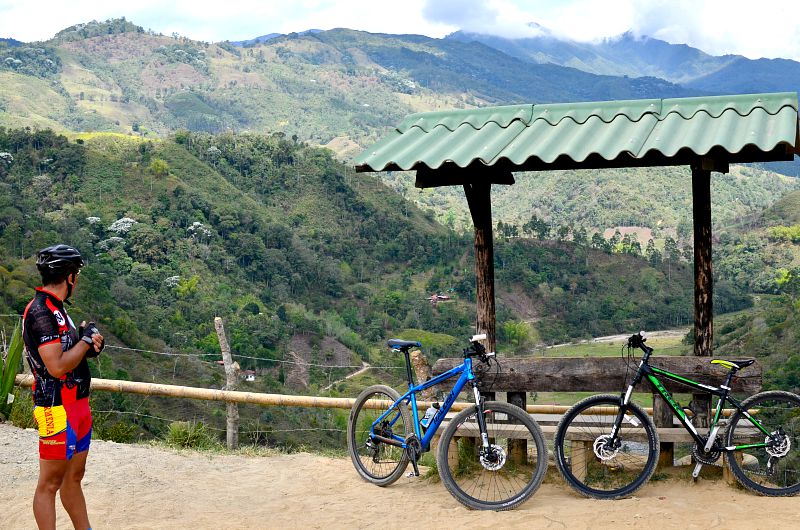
{"points": [[602, 448], [781, 448], [493, 458]]}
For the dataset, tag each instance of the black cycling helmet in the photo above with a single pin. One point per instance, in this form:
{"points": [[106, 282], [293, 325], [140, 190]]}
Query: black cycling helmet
{"points": [[59, 260]]}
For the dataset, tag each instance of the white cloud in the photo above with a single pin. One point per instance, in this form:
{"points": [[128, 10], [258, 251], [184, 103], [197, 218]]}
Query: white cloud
{"points": [[212, 20], [769, 28]]}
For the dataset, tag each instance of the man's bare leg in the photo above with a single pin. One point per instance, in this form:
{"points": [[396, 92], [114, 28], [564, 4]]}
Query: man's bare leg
{"points": [[51, 475], [71, 492]]}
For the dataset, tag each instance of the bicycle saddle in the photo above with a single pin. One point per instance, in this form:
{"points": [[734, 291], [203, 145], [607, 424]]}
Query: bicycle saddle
{"points": [[402, 345], [734, 365]]}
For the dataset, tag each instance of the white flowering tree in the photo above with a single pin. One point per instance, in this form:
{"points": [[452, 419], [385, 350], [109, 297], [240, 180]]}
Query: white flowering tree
{"points": [[198, 231], [122, 226]]}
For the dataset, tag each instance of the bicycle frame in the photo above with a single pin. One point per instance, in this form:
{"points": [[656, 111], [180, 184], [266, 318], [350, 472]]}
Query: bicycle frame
{"points": [[722, 392], [464, 371]]}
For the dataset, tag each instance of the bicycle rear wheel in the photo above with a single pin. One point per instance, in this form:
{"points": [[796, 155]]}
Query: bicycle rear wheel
{"points": [[503, 477], [378, 462], [587, 461], [775, 470]]}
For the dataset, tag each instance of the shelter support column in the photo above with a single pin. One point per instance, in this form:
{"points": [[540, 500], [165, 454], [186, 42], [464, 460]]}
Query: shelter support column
{"points": [[480, 206], [703, 281]]}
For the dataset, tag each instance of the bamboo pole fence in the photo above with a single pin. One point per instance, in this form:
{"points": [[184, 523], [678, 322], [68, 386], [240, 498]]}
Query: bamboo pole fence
{"points": [[256, 398]]}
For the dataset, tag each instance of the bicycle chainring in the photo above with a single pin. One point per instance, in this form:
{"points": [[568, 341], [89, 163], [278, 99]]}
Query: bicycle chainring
{"points": [[602, 448], [709, 458], [413, 447], [493, 458]]}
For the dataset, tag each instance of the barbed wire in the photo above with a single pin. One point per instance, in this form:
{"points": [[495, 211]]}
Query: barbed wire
{"points": [[240, 356], [134, 413], [259, 431]]}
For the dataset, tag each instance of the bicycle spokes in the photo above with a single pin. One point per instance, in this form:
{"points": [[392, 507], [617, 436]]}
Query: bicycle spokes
{"points": [[767, 463], [502, 473]]}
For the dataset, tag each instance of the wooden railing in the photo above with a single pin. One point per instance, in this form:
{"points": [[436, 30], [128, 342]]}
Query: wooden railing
{"points": [[519, 376]]}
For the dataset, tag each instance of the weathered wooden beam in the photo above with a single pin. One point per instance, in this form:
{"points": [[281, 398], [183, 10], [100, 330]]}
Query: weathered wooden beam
{"points": [[703, 283], [480, 206], [703, 280], [599, 374], [452, 175]]}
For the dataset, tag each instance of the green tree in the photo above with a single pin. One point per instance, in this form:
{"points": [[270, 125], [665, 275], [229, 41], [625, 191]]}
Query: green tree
{"points": [[159, 168]]}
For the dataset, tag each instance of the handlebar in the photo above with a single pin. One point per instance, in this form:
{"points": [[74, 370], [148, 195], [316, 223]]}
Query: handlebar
{"points": [[476, 349], [638, 341]]}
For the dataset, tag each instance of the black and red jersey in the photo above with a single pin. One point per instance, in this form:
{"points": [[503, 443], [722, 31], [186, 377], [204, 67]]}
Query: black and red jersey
{"points": [[46, 322]]}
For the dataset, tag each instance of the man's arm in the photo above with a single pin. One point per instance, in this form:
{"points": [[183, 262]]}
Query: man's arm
{"points": [[60, 362]]}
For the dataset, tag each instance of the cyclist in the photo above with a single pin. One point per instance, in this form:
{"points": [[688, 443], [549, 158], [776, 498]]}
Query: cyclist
{"points": [[57, 351]]}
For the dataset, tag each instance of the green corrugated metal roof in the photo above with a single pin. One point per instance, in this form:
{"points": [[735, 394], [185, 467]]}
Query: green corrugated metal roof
{"points": [[740, 128]]}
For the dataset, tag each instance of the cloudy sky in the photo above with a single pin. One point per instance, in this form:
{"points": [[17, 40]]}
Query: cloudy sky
{"points": [[768, 28]]}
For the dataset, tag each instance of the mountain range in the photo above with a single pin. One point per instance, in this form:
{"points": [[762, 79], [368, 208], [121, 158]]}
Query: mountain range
{"points": [[635, 56]]}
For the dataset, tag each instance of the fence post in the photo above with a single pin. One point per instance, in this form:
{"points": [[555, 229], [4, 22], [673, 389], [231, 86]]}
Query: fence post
{"points": [[518, 449], [231, 373], [422, 369], [662, 417]]}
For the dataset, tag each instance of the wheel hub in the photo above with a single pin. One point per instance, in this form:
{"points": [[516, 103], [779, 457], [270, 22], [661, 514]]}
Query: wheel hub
{"points": [[493, 458], [780, 446], [603, 449]]}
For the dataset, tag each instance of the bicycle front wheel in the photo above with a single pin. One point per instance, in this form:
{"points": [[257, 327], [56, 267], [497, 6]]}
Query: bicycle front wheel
{"points": [[773, 470], [594, 466], [506, 474], [378, 462]]}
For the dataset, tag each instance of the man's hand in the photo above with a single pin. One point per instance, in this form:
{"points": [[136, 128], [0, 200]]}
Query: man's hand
{"points": [[91, 336]]}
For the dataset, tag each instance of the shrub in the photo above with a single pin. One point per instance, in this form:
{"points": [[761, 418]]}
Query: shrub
{"points": [[189, 434], [119, 432], [22, 410]]}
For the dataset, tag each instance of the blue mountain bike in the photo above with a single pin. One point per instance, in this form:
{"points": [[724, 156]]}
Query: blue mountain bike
{"points": [[491, 456]]}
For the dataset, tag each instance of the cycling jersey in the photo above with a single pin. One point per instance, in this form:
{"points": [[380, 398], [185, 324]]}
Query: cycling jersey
{"points": [[45, 321]]}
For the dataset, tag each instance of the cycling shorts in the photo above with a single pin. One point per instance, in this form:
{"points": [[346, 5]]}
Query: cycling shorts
{"points": [[64, 429]]}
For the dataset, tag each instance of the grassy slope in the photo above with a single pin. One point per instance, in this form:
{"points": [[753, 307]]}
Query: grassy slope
{"points": [[29, 101]]}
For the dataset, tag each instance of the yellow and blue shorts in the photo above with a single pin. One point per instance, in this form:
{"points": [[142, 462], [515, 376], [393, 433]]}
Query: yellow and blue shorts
{"points": [[64, 429]]}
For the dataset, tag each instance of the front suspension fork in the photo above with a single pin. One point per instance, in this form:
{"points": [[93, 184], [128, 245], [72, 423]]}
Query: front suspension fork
{"points": [[481, 417]]}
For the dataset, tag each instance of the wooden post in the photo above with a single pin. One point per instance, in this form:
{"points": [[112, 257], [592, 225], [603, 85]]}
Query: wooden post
{"points": [[662, 417], [703, 282], [729, 477], [579, 458], [231, 373], [422, 369], [518, 449], [480, 206]]}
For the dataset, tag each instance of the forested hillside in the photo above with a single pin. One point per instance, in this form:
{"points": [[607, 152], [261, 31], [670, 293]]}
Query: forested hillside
{"points": [[659, 199], [306, 261], [764, 256]]}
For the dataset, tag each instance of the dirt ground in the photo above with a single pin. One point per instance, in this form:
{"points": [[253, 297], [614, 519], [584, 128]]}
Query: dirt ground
{"points": [[144, 487]]}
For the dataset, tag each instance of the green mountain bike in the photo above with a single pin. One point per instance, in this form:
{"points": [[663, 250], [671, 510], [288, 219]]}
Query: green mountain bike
{"points": [[607, 447]]}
